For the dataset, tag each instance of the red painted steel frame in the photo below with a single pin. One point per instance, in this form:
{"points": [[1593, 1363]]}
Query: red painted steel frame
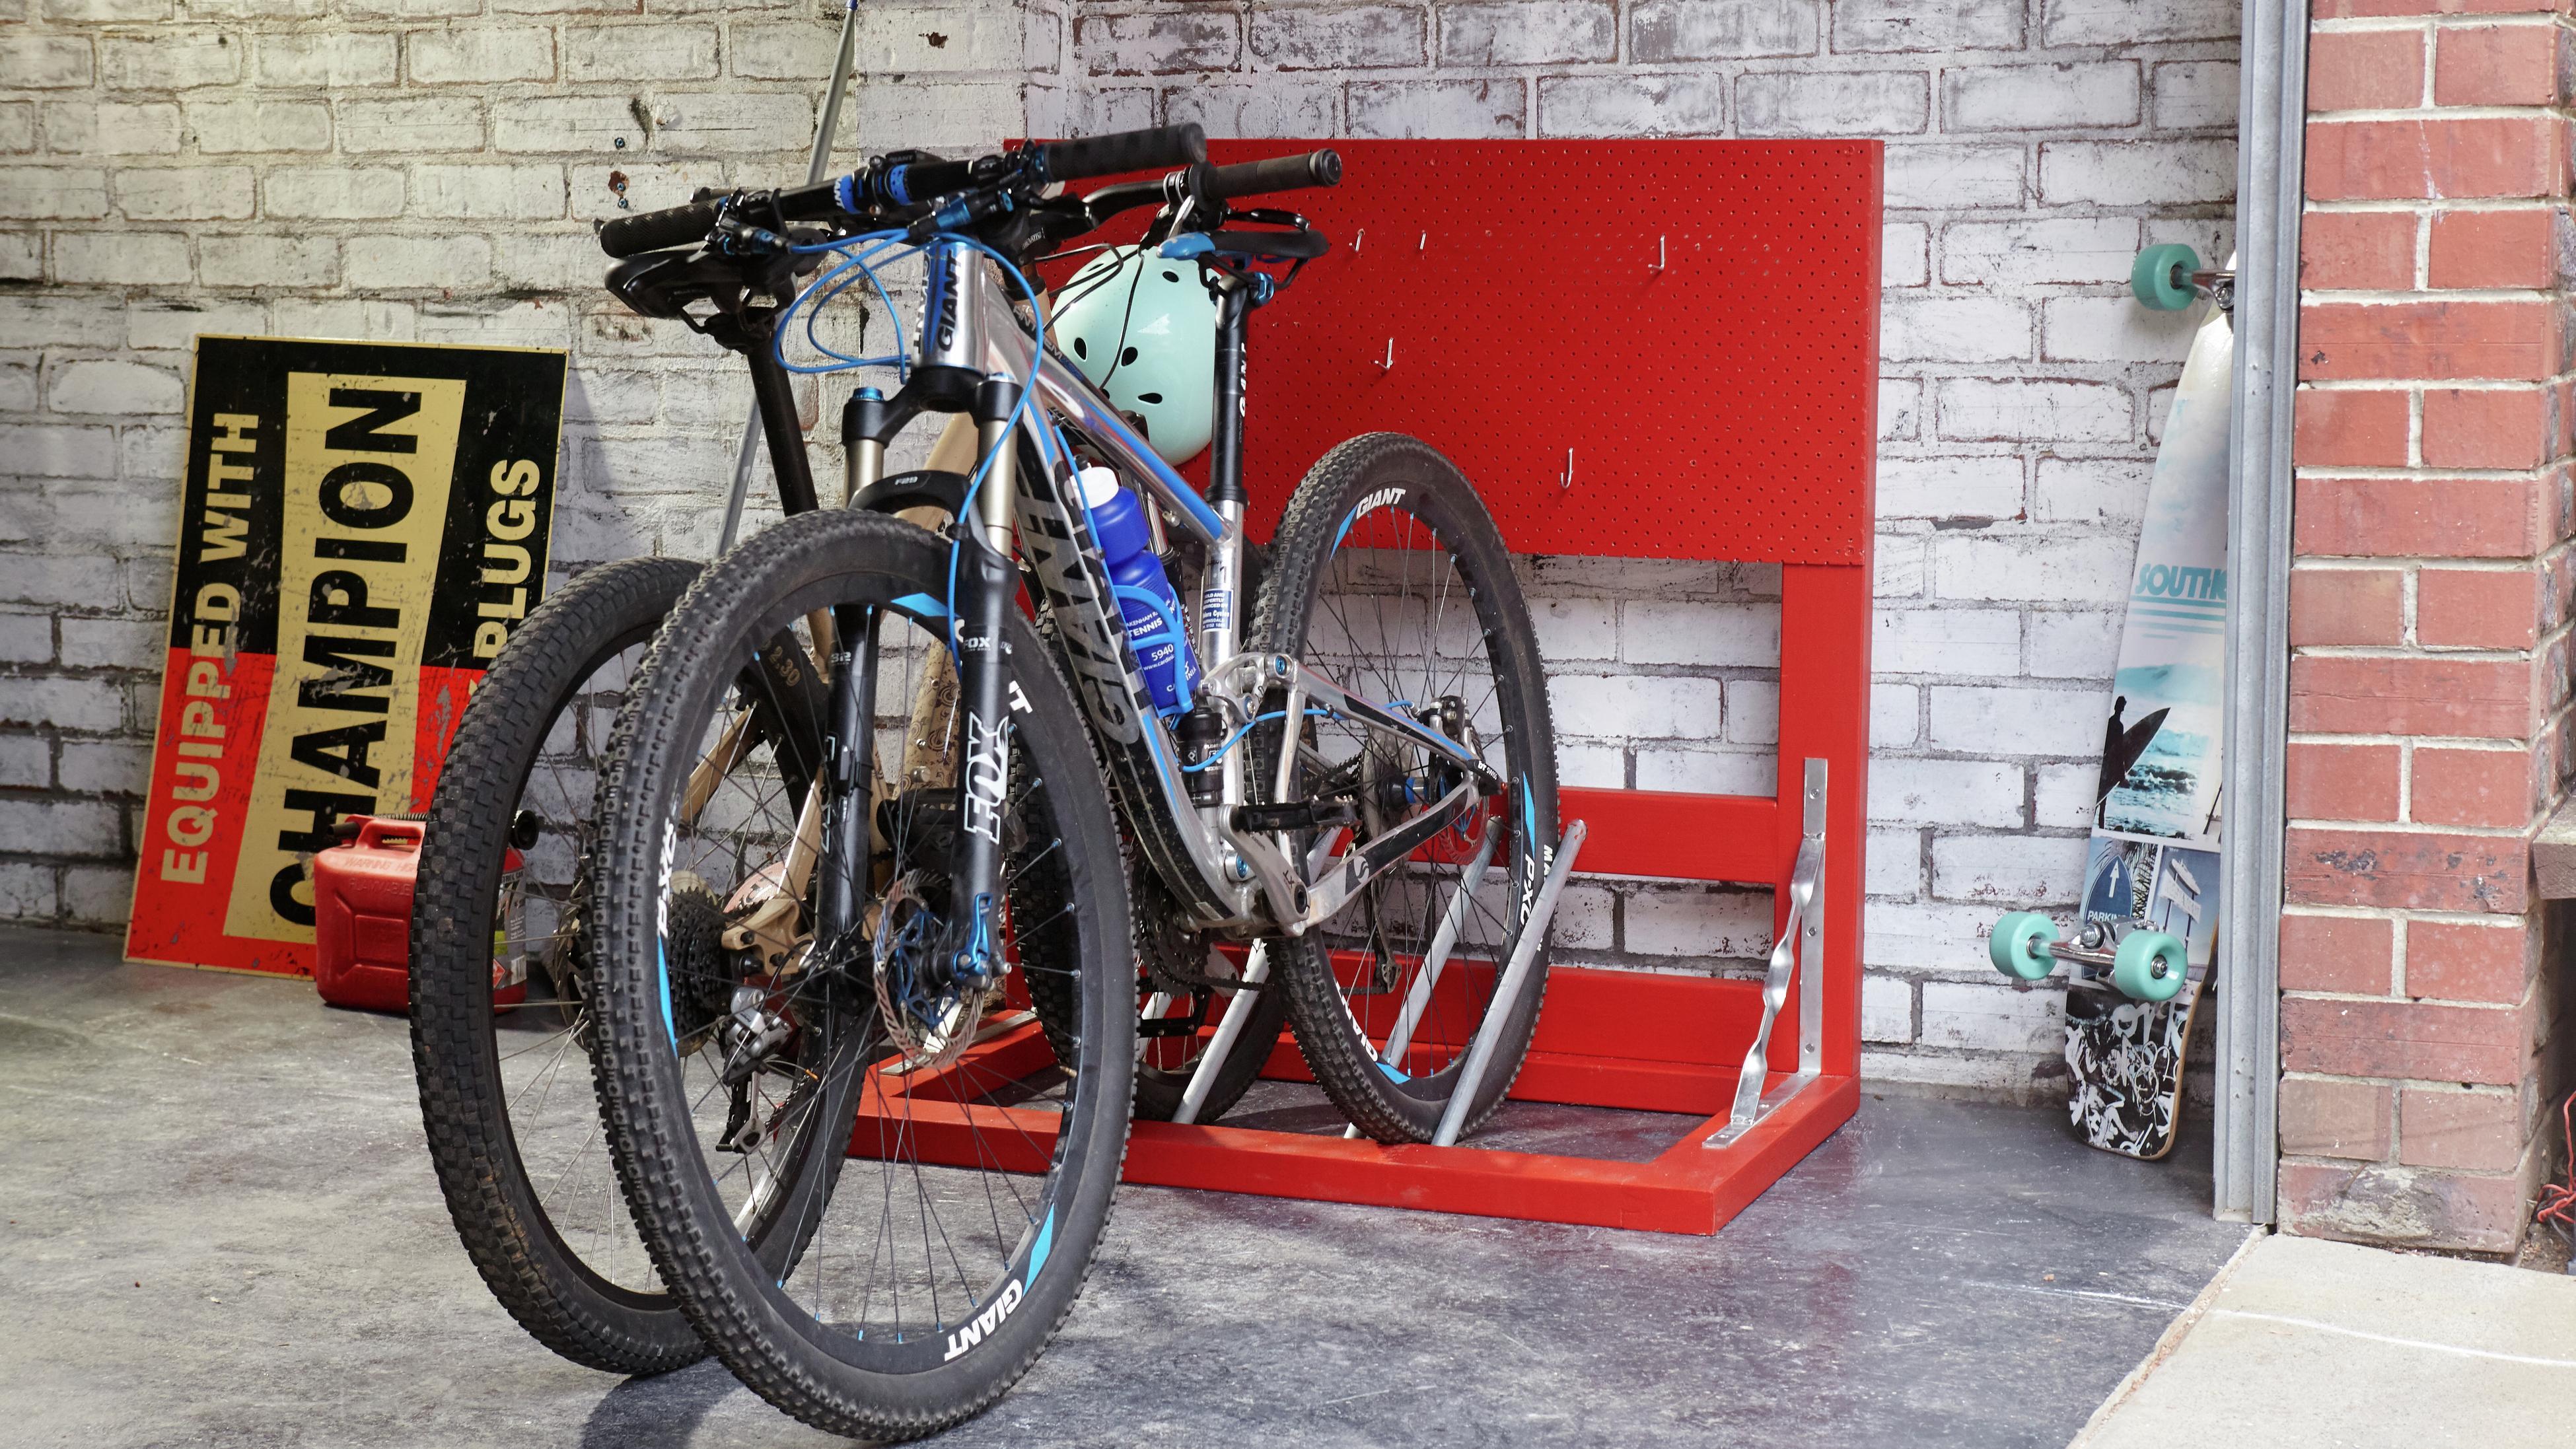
{"points": [[1752, 362]]}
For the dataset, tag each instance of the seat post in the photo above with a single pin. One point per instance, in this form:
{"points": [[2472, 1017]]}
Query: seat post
{"points": [[1225, 433]]}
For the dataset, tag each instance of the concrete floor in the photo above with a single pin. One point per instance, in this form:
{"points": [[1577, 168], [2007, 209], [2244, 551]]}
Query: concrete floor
{"points": [[222, 1230], [2303, 1344]]}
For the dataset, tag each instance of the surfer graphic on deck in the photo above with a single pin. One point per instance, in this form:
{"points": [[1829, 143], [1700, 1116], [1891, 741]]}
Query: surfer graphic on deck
{"points": [[2122, 748]]}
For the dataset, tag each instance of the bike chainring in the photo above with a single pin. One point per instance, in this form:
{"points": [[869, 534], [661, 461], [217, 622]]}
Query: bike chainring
{"points": [[1175, 957]]}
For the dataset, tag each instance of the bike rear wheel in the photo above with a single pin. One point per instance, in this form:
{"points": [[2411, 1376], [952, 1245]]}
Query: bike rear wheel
{"points": [[984, 1161], [500, 1008], [1389, 578]]}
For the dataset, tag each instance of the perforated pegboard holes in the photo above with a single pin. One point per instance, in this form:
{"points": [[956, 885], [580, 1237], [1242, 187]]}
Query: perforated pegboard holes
{"points": [[1721, 408]]}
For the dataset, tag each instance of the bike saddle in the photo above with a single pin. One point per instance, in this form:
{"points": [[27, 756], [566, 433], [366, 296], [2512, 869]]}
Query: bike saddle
{"points": [[663, 284]]}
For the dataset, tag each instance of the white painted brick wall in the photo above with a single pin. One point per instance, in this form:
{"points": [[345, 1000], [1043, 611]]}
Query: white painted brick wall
{"points": [[429, 169]]}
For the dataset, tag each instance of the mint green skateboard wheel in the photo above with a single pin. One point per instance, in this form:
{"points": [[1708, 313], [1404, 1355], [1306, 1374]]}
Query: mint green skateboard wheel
{"points": [[2149, 966], [2162, 277], [2019, 945]]}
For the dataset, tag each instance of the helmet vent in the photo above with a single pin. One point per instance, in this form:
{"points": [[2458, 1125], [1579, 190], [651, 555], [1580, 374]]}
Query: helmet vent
{"points": [[1149, 397], [1171, 276], [1127, 358], [1081, 351]]}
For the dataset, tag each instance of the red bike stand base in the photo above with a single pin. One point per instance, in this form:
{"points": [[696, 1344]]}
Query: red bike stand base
{"points": [[1664, 1028], [1663, 435], [1691, 1188]]}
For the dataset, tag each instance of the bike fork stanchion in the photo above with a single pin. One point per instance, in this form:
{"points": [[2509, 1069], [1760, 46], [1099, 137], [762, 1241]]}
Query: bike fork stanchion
{"points": [[1507, 991], [1229, 1027], [1806, 930], [820, 157]]}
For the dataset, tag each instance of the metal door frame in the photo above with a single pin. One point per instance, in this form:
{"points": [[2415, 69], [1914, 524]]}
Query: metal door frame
{"points": [[2271, 133]]}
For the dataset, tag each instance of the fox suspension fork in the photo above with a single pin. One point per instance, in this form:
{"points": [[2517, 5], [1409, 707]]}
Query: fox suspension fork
{"points": [[985, 589]]}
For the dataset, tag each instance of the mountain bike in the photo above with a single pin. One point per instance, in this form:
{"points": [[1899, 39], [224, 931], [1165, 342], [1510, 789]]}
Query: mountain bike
{"points": [[500, 1006], [780, 960]]}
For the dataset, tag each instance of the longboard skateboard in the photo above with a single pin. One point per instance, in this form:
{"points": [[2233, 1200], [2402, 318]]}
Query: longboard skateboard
{"points": [[2148, 919]]}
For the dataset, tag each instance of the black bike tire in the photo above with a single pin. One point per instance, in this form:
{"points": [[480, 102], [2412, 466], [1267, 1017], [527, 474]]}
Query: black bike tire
{"points": [[537, 1277], [1309, 532], [721, 1289]]}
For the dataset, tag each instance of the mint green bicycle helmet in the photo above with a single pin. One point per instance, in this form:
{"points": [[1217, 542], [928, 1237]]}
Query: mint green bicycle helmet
{"points": [[1143, 329]]}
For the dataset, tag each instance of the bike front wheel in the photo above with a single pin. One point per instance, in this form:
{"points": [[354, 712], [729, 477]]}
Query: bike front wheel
{"points": [[983, 1150], [1389, 577]]}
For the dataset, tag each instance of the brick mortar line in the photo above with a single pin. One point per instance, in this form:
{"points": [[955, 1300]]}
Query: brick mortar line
{"points": [[2370, 563], [2378, 296], [2448, 1088], [2418, 827], [2463, 654], [2452, 1002], [2439, 742], [2480, 920], [2436, 205], [2482, 1173], [2426, 23], [2419, 473], [2437, 384], [2387, 115]]}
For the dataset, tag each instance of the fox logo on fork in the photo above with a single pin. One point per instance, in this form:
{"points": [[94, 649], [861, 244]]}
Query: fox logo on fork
{"points": [[984, 778]]}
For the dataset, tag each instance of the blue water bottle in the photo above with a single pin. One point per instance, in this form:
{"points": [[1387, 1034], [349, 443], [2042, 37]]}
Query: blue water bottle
{"points": [[1127, 542]]}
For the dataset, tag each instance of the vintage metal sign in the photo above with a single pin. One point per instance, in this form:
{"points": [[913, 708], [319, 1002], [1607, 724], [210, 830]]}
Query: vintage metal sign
{"points": [[361, 527]]}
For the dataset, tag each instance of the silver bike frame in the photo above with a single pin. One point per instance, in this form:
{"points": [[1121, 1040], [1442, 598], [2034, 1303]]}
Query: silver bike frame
{"points": [[1234, 868]]}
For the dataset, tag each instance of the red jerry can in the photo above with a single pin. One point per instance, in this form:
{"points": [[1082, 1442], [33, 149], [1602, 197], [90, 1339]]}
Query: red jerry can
{"points": [[362, 895], [362, 915]]}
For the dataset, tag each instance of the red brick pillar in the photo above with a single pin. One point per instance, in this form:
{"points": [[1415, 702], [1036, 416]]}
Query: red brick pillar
{"points": [[2428, 683]]}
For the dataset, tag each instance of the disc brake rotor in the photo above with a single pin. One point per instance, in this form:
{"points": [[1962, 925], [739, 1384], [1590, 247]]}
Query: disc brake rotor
{"points": [[929, 1015]]}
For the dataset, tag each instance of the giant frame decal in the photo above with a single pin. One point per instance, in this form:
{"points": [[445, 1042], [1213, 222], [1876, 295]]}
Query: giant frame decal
{"points": [[362, 526]]}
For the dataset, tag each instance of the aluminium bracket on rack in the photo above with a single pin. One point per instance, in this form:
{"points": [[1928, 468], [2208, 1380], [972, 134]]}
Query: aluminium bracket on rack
{"points": [[1803, 941], [1507, 989]]}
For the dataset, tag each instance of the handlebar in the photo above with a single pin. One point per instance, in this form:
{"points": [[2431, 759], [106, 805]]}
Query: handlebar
{"points": [[902, 183], [1278, 173], [1158, 146], [653, 230], [678, 226]]}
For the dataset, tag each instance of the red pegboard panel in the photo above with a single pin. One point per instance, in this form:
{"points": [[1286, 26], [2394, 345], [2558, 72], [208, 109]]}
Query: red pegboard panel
{"points": [[1745, 429]]}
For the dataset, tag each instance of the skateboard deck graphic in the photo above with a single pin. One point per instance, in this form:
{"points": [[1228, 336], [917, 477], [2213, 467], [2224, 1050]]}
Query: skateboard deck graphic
{"points": [[2153, 860]]}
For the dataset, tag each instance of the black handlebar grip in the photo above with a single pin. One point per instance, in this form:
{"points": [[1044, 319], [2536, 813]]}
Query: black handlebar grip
{"points": [[1279, 173], [1158, 146], [670, 227]]}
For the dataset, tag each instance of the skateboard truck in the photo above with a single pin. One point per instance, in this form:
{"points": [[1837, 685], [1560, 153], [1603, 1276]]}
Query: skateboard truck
{"points": [[2169, 278], [2144, 965]]}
